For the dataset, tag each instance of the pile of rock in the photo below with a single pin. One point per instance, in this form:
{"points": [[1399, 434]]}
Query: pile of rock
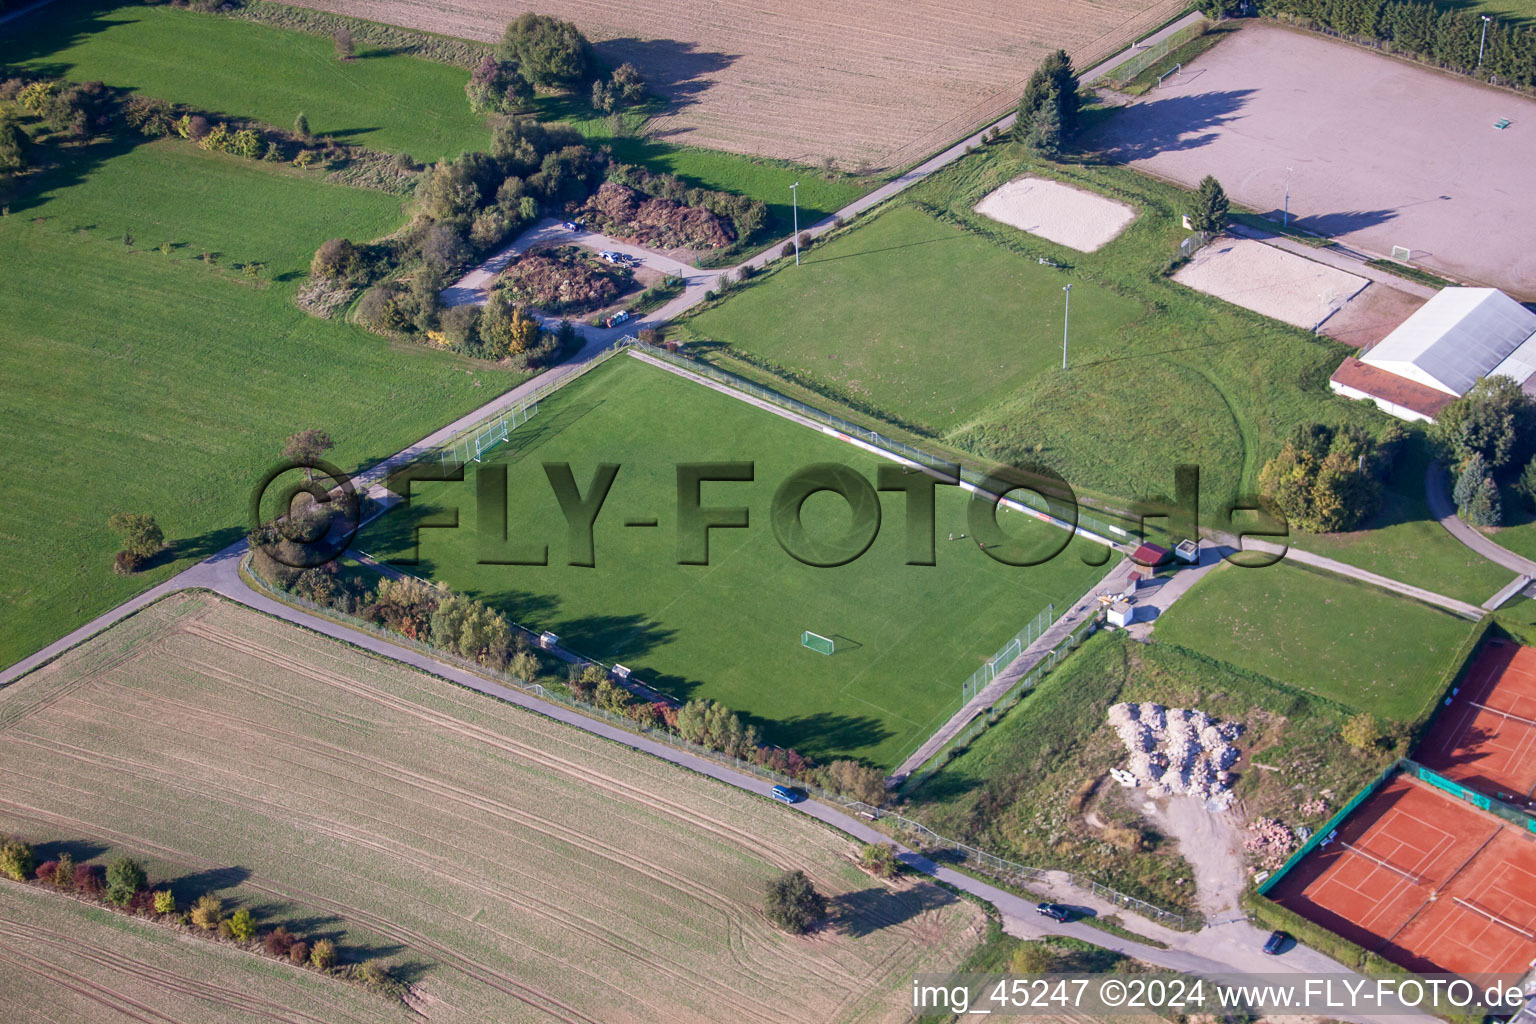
{"points": [[1177, 750]]}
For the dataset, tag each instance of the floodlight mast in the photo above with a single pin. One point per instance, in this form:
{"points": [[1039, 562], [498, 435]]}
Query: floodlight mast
{"points": [[1066, 320], [1285, 220], [794, 198], [1484, 41]]}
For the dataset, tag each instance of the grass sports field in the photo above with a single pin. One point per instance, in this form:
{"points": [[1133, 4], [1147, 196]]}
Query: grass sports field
{"points": [[510, 867], [913, 315], [731, 630], [1158, 375], [1342, 640], [386, 101], [159, 383]]}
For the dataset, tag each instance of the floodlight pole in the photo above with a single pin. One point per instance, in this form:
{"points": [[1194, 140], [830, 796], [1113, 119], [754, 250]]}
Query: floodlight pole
{"points": [[1065, 322], [1484, 41], [794, 198], [1285, 221]]}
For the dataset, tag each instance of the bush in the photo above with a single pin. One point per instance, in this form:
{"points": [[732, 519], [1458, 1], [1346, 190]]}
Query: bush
{"points": [[562, 282], [298, 953], [323, 956], [126, 563], [372, 973], [1525, 485], [855, 781], [64, 873], [125, 877], [546, 50], [792, 903], [89, 879], [1361, 732], [338, 260], [14, 147], [140, 534], [495, 87], [1476, 495], [278, 941], [880, 859], [242, 926], [16, 859], [208, 911], [165, 901]]}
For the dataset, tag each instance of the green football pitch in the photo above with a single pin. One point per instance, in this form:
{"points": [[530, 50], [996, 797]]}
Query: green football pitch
{"points": [[907, 636]]}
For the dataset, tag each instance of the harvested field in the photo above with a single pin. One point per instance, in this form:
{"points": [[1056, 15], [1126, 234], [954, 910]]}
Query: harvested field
{"points": [[864, 82], [1267, 280], [1082, 220], [63, 960], [1371, 315], [516, 869]]}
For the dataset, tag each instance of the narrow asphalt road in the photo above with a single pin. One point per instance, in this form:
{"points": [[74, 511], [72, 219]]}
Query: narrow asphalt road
{"points": [[1444, 509]]}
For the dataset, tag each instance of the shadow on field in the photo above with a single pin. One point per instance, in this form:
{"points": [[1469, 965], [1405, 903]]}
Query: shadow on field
{"points": [[824, 735], [1143, 130], [672, 69], [887, 248], [861, 913], [79, 850], [617, 637], [187, 888], [1342, 223]]}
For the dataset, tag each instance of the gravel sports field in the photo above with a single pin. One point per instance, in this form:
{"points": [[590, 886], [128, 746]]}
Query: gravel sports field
{"points": [[1382, 153], [1082, 220], [875, 82], [529, 871], [1271, 281]]}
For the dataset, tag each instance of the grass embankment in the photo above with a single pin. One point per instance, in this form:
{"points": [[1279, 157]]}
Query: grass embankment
{"points": [[1344, 641], [1023, 790], [910, 635], [157, 382]]}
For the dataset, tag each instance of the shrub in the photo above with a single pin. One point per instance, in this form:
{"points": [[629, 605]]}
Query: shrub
{"points": [[14, 147], [226, 930], [855, 781], [64, 873], [338, 260], [341, 39], [494, 86], [90, 879], [562, 282], [241, 925], [622, 211], [208, 911], [792, 903], [1361, 732], [880, 859], [165, 901], [301, 126], [139, 532], [371, 973], [323, 955], [1476, 495], [16, 859], [278, 941], [1525, 485], [298, 953], [546, 50], [125, 877]]}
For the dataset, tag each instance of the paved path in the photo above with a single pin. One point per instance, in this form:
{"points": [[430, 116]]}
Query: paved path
{"points": [[1337, 256], [1450, 604], [1444, 509]]}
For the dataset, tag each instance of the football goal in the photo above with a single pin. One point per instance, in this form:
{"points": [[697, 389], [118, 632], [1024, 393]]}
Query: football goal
{"points": [[1402, 253], [817, 642]]}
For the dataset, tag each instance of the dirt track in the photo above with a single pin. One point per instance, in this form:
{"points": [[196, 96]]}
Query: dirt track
{"points": [[864, 81]]}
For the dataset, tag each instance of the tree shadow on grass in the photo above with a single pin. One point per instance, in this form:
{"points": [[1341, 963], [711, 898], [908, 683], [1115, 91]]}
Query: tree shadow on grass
{"points": [[824, 735], [79, 850], [866, 911], [887, 248], [187, 888]]}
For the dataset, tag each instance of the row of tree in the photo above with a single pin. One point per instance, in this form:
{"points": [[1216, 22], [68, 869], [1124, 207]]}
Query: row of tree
{"points": [[124, 884], [1446, 36], [539, 51], [435, 615]]}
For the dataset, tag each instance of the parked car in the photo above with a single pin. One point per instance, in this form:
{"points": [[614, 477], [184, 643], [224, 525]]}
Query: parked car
{"points": [[573, 225], [1054, 911], [785, 794], [1276, 942]]}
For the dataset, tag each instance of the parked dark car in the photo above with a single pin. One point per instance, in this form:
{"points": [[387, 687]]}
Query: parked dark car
{"points": [[787, 795], [1275, 943], [1054, 911]]}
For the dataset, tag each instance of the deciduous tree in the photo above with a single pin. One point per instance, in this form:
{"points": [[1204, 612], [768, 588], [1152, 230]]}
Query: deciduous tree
{"points": [[792, 903], [125, 877], [546, 50]]}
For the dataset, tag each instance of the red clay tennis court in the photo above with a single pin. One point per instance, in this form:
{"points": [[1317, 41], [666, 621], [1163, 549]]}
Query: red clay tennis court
{"points": [[1424, 879], [1486, 738]]}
